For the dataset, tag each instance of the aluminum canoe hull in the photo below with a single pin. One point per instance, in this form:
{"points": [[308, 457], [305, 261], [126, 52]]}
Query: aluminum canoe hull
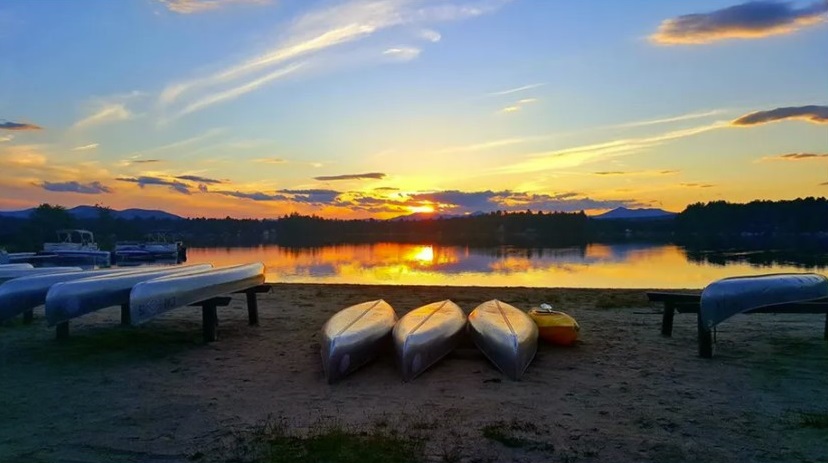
{"points": [[25, 293], [354, 336], [71, 299], [10, 274], [427, 334], [15, 266], [725, 298], [154, 297], [506, 335]]}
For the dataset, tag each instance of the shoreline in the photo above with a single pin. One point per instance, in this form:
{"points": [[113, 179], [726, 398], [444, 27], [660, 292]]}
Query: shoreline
{"points": [[156, 393]]}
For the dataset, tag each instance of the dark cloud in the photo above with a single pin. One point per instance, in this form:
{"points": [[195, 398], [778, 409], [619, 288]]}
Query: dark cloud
{"points": [[9, 125], [143, 181], [800, 156], [257, 196], [369, 175], [146, 161], [748, 20], [198, 179], [487, 201], [314, 196], [92, 188], [611, 172], [386, 188], [811, 113]]}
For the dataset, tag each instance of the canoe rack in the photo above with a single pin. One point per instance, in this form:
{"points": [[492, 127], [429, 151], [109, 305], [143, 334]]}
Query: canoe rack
{"points": [[689, 303], [209, 313]]}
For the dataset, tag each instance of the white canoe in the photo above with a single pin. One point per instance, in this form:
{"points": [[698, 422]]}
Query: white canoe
{"points": [[10, 274], [15, 266], [354, 336], [71, 299], [154, 297], [26, 293], [425, 335], [725, 298], [506, 335]]}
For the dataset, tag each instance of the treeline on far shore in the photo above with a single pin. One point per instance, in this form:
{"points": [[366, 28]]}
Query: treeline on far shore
{"points": [[715, 223]]}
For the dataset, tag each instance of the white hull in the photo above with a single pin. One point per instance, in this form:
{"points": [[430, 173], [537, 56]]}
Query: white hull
{"points": [[71, 299], [154, 297], [725, 298], [425, 335], [26, 293], [15, 266], [10, 274], [506, 335], [354, 336]]}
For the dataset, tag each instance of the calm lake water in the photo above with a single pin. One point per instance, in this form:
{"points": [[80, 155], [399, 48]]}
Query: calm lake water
{"points": [[593, 266]]}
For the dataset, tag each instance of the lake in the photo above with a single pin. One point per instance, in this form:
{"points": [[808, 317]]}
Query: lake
{"points": [[592, 266]]}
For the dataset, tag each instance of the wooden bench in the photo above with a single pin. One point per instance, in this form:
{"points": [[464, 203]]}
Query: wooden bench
{"points": [[209, 313], [690, 303]]}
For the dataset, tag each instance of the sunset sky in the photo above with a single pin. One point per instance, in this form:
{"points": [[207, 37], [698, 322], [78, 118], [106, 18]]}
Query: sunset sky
{"points": [[380, 108]]}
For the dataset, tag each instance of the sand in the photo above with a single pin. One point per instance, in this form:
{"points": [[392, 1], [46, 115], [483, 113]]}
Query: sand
{"points": [[158, 394]]}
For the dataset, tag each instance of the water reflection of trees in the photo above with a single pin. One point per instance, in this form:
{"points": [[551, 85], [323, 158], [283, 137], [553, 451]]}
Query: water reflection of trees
{"points": [[804, 259]]}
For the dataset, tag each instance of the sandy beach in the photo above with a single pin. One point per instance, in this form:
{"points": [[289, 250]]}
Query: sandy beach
{"points": [[158, 394]]}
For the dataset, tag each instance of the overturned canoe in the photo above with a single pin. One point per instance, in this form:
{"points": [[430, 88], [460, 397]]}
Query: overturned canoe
{"points": [[26, 293], [15, 266], [425, 335], [725, 298], [505, 335], [10, 274], [154, 297], [354, 336], [71, 299]]}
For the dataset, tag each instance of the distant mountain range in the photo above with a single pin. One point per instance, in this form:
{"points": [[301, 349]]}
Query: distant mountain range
{"points": [[91, 212], [634, 214]]}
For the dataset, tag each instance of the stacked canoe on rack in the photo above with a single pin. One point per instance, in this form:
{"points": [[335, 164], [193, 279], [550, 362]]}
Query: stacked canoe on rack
{"points": [[142, 292]]}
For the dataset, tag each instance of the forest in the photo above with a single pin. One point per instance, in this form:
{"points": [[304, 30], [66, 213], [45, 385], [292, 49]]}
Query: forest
{"points": [[714, 223]]}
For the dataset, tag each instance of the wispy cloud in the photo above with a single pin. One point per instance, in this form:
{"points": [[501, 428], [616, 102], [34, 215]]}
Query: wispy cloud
{"points": [[697, 185], [811, 113], [370, 175], [522, 88], [484, 146], [200, 179], [402, 53], [578, 155], [667, 120], [635, 173], [88, 147], [200, 6], [254, 196], [4, 138], [518, 105], [145, 161], [430, 35], [796, 157], [104, 114], [270, 160], [92, 188], [319, 30], [749, 20], [136, 157], [9, 125]]}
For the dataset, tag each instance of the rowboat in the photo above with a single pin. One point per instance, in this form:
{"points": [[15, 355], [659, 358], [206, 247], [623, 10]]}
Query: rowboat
{"points": [[505, 335], [26, 293], [354, 336], [15, 266], [71, 299], [10, 274], [555, 327], [725, 298], [425, 335], [151, 298]]}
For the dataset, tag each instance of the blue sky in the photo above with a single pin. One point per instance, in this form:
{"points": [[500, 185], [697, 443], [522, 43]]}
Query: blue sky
{"points": [[239, 107]]}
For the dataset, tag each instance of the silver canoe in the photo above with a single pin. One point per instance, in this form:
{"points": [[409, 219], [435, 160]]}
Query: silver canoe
{"points": [[25, 293], [425, 335], [154, 297], [10, 274], [725, 298], [354, 336], [15, 266], [507, 336], [71, 299]]}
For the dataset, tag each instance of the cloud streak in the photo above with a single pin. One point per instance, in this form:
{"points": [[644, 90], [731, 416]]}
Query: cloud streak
{"points": [[749, 20], [104, 114], [88, 147], [144, 181], [199, 179], [9, 125], [200, 6], [92, 188], [370, 175], [510, 91], [812, 113]]}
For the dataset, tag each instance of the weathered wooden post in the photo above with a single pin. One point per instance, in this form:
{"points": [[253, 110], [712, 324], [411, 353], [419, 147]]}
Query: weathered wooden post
{"points": [[667, 319]]}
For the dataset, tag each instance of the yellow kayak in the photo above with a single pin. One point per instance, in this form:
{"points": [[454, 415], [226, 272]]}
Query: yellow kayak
{"points": [[555, 327]]}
